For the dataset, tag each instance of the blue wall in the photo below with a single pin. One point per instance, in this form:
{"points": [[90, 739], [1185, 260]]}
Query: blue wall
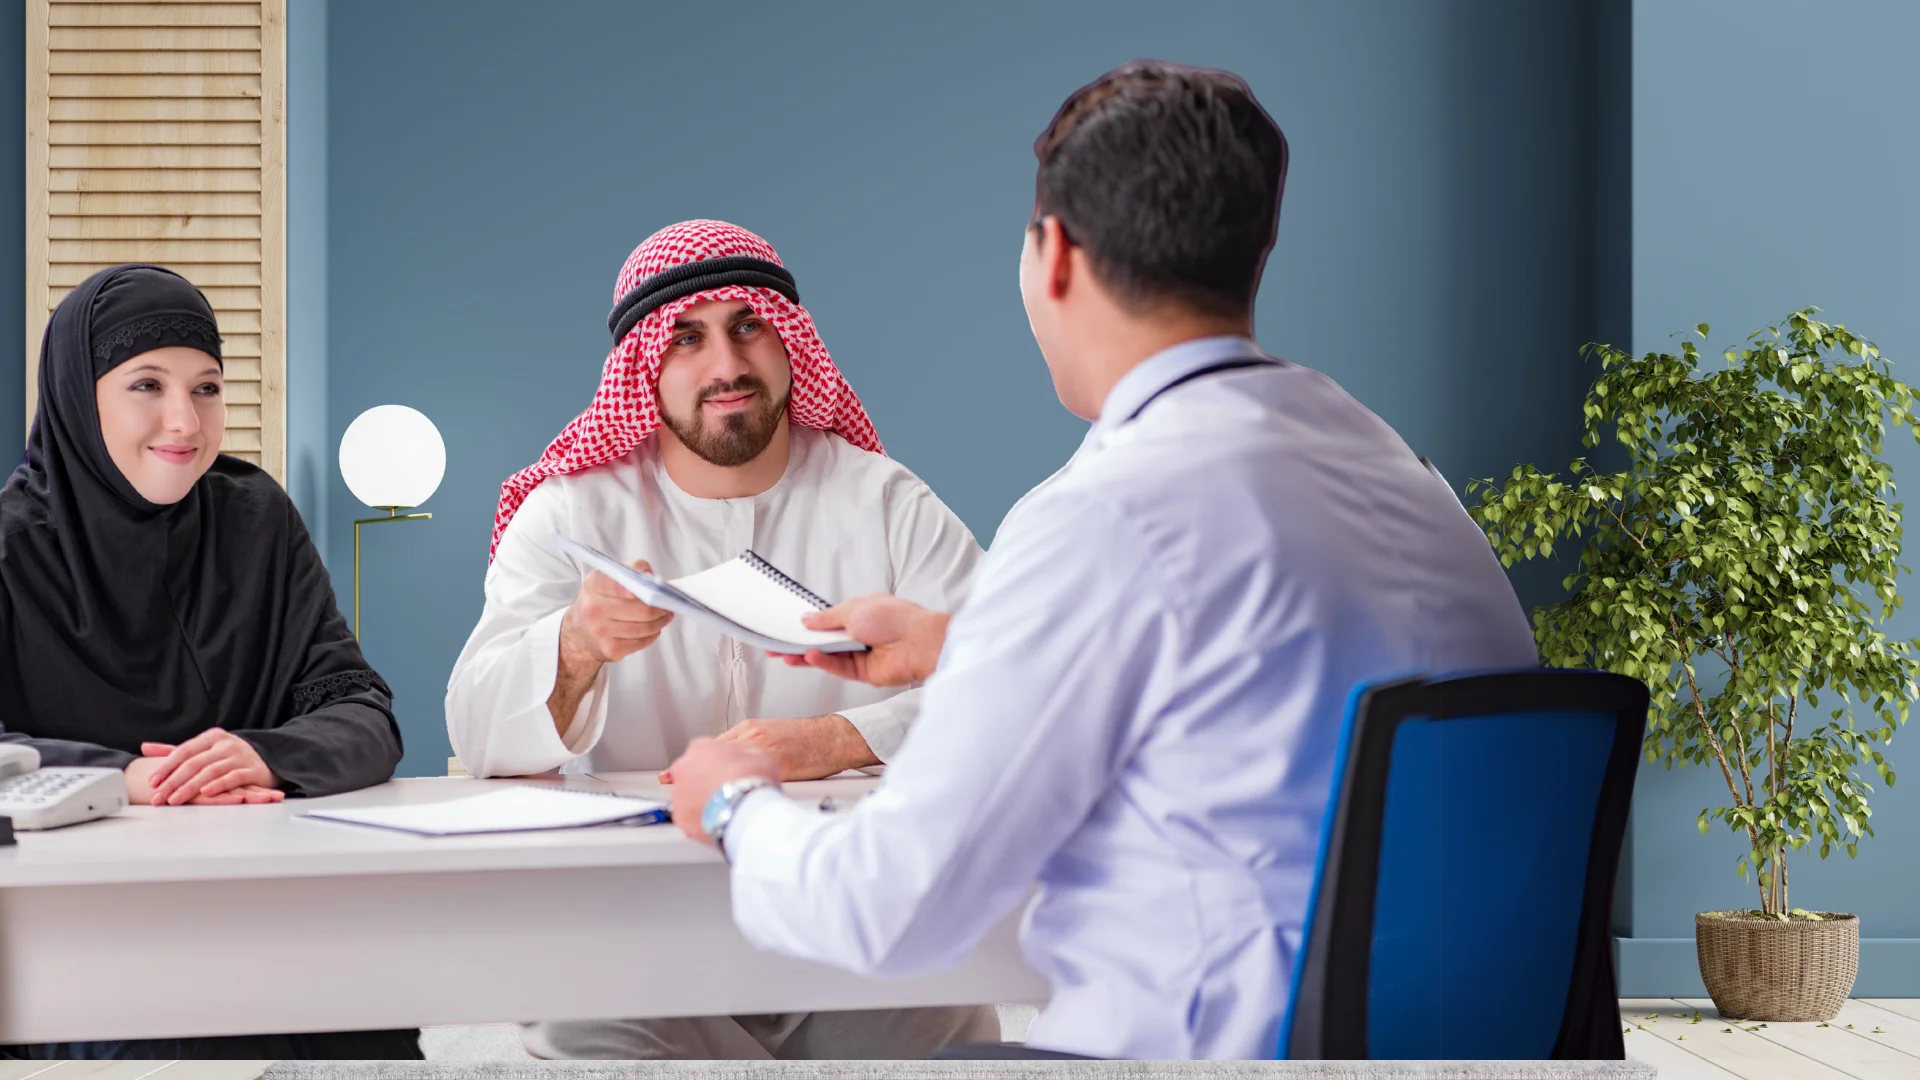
{"points": [[1774, 157], [310, 459], [491, 164]]}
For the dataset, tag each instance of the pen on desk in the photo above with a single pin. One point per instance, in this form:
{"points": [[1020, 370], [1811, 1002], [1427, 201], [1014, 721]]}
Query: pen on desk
{"points": [[650, 817]]}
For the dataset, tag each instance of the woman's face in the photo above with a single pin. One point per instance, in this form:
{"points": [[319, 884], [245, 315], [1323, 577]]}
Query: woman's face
{"points": [[162, 415]]}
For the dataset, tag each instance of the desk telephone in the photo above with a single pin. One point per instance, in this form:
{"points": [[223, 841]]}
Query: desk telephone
{"points": [[37, 798]]}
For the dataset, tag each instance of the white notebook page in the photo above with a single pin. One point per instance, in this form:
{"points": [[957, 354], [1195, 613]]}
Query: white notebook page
{"points": [[754, 600], [515, 809]]}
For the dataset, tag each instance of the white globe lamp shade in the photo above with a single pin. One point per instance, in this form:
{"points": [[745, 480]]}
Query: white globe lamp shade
{"points": [[392, 456]]}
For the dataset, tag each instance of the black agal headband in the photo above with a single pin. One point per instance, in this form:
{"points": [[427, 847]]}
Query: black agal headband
{"points": [[688, 278]]}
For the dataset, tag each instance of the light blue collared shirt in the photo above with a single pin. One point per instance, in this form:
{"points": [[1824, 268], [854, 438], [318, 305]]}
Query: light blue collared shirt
{"points": [[1137, 710]]}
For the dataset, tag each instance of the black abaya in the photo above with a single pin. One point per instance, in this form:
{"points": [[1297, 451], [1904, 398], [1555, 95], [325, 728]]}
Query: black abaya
{"points": [[123, 621]]}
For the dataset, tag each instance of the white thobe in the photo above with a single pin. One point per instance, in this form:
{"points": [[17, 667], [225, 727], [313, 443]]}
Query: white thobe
{"points": [[1137, 708], [843, 522]]}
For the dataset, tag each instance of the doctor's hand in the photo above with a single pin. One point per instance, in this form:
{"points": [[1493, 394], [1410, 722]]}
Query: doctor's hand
{"points": [[700, 771], [808, 749], [607, 623], [903, 641]]}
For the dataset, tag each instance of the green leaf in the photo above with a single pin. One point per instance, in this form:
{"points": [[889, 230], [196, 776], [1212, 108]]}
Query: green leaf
{"points": [[1741, 490]]}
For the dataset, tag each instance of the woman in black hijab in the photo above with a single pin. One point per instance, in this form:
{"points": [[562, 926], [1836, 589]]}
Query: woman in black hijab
{"points": [[162, 609]]}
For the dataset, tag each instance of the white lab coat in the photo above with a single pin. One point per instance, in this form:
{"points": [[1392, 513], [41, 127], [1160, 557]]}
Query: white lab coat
{"points": [[1137, 709]]}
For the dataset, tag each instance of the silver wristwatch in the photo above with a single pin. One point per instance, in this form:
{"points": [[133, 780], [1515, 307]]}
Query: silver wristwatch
{"points": [[724, 803]]}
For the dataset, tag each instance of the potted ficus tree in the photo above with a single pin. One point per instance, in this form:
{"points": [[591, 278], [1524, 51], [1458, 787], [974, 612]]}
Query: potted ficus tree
{"points": [[1741, 562]]}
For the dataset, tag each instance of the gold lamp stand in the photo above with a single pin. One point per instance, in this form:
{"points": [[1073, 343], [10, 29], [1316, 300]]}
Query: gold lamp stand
{"points": [[393, 514]]}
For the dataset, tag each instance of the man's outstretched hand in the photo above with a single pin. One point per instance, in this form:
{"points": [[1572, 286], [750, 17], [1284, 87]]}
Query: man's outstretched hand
{"points": [[903, 641]]}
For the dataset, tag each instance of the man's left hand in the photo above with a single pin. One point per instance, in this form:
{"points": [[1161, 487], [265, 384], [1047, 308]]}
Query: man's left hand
{"points": [[808, 749], [706, 765]]}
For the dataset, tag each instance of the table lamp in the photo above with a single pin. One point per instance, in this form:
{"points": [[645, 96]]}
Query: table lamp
{"points": [[392, 459]]}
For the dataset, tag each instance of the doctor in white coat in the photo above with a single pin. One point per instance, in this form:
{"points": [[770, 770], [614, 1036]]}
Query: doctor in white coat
{"points": [[1137, 707], [721, 425]]}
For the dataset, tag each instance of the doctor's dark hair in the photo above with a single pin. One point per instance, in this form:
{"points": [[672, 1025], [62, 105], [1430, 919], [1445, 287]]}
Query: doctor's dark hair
{"points": [[1169, 177]]}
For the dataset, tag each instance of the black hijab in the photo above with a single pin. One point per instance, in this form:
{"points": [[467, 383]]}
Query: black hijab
{"points": [[123, 621]]}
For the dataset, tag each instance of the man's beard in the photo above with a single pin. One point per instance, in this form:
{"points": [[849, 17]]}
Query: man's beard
{"points": [[740, 436]]}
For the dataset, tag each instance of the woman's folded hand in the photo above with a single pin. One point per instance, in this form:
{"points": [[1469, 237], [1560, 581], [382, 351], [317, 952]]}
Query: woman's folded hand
{"points": [[214, 768]]}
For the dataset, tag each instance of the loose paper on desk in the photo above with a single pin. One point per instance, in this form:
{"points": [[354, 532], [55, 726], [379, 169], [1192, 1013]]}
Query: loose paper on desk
{"points": [[515, 809], [747, 598]]}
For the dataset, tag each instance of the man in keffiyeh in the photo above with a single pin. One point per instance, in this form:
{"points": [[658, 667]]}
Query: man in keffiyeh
{"points": [[721, 424]]}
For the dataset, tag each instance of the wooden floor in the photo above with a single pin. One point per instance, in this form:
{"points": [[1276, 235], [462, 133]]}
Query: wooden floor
{"points": [[1873, 1039]]}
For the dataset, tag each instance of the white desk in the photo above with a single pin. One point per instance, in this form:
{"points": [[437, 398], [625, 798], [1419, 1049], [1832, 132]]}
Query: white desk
{"points": [[250, 919]]}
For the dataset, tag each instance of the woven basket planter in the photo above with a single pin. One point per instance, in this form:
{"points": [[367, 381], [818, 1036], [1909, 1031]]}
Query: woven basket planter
{"points": [[1780, 972]]}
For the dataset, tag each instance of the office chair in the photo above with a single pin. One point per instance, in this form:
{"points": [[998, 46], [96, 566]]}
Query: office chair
{"points": [[1468, 858]]}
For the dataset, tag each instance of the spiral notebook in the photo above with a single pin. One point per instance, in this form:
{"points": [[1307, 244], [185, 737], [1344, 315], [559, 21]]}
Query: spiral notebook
{"points": [[746, 598]]}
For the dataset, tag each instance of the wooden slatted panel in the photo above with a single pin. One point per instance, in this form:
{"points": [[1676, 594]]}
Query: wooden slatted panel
{"points": [[156, 133]]}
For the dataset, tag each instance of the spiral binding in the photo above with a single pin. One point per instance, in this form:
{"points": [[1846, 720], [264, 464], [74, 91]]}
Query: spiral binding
{"points": [[642, 817], [779, 578]]}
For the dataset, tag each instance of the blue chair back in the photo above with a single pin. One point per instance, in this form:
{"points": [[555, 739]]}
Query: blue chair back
{"points": [[1463, 901]]}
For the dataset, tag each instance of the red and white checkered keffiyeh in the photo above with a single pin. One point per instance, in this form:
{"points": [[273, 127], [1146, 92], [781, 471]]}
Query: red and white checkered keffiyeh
{"points": [[626, 409]]}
